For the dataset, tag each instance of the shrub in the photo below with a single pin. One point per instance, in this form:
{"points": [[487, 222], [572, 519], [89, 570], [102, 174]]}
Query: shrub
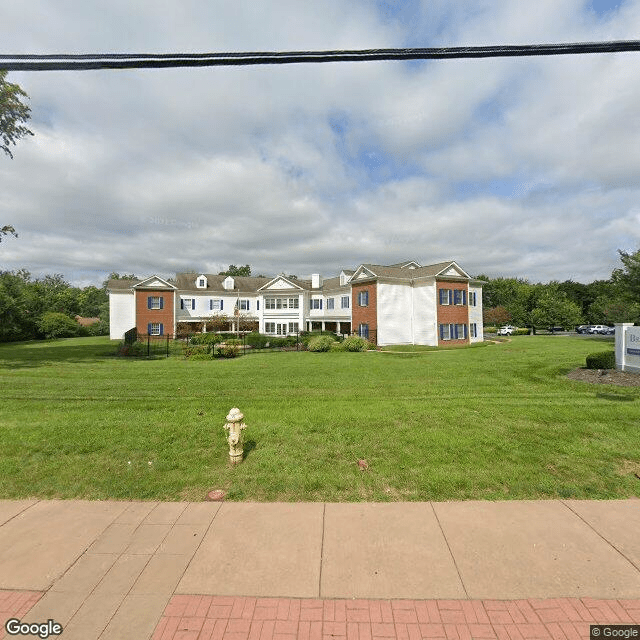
{"points": [[256, 340], [58, 325], [602, 360], [198, 352], [337, 346], [228, 350], [205, 338], [320, 343], [355, 343], [521, 332]]}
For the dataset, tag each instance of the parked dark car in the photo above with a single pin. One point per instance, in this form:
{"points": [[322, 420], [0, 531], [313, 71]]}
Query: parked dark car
{"points": [[554, 329]]}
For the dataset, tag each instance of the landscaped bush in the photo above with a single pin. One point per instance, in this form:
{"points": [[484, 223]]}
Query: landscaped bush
{"points": [[256, 340], [521, 332], [58, 325], [602, 360], [205, 338], [490, 329], [355, 343], [320, 343], [228, 350], [337, 346], [198, 352]]}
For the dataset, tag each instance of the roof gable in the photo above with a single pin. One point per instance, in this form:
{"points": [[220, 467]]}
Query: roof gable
{"points": [[452, 270], [362, 272], [279, 283], [153, 282]]}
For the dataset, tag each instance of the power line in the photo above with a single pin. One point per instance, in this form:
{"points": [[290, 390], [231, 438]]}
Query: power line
{"points": [[79, 62]]}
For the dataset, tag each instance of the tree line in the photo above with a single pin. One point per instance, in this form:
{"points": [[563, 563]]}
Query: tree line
{"points": [[567, 304]]}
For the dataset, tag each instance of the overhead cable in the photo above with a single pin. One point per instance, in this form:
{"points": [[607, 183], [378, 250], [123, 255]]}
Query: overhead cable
{"points": [[78, 62]]}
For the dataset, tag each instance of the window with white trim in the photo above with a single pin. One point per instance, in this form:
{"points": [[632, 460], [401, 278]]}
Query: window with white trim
{"points": [[330, 303], [472, 299], [363, 298], [315, 303], [460, 331], [345, 302], [281, 303], [154, 302], [216, 305], [294, 327], [445, 296], [243, 305], [363, 330], [473, 330], [459, 296], [269, 327], [155, 328], [188, 303]]}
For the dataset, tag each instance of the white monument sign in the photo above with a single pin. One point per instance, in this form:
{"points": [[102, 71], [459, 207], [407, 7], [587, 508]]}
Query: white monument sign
{"points": [[628, 347]]}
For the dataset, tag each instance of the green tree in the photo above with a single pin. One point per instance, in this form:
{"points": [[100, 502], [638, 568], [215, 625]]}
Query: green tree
{"points": [[14, 113], [609, 310], [57, 325], [91, 301], [554, 309], [7, 230], [627, 279], [236, 271], [116, 276]]}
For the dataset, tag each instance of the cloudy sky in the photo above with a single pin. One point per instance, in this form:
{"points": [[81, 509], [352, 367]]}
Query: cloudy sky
{"points": [[517, 167]]}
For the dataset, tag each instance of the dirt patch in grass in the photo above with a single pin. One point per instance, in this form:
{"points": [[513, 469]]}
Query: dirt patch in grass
{"points": [[606, 376]]}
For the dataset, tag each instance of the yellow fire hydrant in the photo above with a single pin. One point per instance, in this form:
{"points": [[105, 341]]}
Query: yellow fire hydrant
{"points": [[235, 427]]}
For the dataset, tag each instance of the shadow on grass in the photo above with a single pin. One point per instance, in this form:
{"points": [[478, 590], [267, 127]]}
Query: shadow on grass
{"points": [[37, 353], [614, 396]]}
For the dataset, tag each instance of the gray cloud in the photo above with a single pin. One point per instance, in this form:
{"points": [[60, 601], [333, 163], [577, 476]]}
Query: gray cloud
{"points": [[517, 167]]}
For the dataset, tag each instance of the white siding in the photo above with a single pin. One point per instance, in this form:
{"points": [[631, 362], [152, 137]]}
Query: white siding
{"points": [[394, 314], [406, 314], [122, 314], [425, 314], [475, 313]]}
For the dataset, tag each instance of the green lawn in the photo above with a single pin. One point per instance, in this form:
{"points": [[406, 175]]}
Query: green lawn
{"points": [[496, 422]]}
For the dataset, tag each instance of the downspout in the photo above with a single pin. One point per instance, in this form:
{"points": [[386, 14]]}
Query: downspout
{"points": [[413, 337]]}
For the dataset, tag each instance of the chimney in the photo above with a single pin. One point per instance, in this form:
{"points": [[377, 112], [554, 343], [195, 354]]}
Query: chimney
{"points": [[316, 280]]}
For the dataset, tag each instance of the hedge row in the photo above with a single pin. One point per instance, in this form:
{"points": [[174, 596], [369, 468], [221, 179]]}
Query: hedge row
{"points": [[602, 360]]}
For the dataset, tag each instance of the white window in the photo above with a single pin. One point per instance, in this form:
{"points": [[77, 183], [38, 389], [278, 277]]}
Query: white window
{"points": [[281, 329], [472, 299], [269, 327], [459, 296], [363, 330], [215, 305], [155, 329], [344, 303], [293, 327], [363, 298], [243, 305], [445, 331], [445, 296], [460, 331], [474, 328], [330, 304], [316, 303], [294, 303], [188, 303], [154, 302]]}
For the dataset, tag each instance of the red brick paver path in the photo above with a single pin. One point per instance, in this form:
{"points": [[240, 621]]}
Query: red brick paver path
{"points": [[189, 617], [15, 604]]}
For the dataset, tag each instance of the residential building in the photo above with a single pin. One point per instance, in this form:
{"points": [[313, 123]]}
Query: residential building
{"points": [[404, 303]]}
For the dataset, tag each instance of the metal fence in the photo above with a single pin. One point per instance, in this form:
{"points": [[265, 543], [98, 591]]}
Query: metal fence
{"points": [[150, 346]]}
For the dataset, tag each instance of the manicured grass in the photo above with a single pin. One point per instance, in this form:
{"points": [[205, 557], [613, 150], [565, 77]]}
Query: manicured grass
{"points": [[484, 423]]}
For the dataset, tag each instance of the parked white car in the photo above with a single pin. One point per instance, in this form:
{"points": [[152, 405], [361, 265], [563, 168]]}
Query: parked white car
{"points": [[598, 328], [507, 330]]}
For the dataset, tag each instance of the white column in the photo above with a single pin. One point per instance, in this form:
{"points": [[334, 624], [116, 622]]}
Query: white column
{"points": [[323, 325], [338, 327], [621, 329]]}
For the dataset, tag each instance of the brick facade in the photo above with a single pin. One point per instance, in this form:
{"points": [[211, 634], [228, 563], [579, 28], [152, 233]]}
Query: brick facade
{"points": [[452, 313], [365, 315], [144, 315]]}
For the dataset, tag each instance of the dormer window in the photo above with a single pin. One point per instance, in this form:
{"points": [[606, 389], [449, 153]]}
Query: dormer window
{"points": [[228, 283], [201, 282]]}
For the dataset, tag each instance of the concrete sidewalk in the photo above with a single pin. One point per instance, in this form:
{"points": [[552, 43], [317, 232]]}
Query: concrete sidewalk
{"points": [[132, 569]]}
